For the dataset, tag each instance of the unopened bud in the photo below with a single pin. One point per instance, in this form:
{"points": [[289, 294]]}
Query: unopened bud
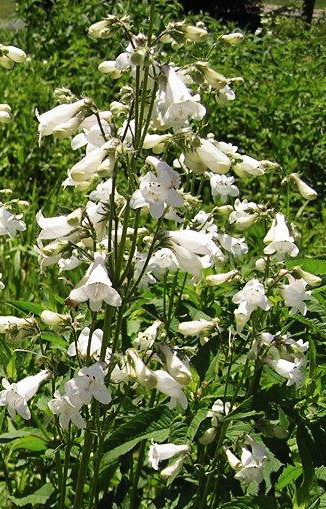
{"points": [[51, 318], [306, 191], [233, 38], [208, 436], [175, 367], [260, 264], [110, 67], [173, 469], [218, 279], [311, 279], [197, 327], [144, 375]]}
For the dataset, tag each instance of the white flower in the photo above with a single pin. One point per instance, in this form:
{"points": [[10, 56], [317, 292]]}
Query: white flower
{"points": [[110, 67], [248, 166], [59, 115], [295, 294], [207, 155], [290, 370], [173, 469], [161, 261], [9, 55], [55, 227], [7, 322], [144, 375], [96, 286], [145, 339], [16, 395], [82, 343], [249, 298], [233, 245], [175, 105], [175, 366], [5, 113], [68, 409], [250, 467], [55, 319], [158, 191], [245, 213], [9, 222], [222, 186], [219, 279], [166, 384], [232, 38], [279, 240], [89, 383], [87, 167], [161, 452], [219, 408]]}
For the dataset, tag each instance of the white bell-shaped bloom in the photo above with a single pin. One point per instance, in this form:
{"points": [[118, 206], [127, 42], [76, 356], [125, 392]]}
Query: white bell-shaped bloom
{"points": [[175, 366], [144, 375], [248, 166], [234, 245], [166, 384], [59, 115], [145, 339], [87, 167], [250, 467], [6, 322], [251, 297], [295, 294], [9, 222], [16, 395], [82, 343], [68, 410], [96, 286], [219, 279], [163, 260], [291, 370], [222, 186], [196, 327], [279, 240], [161, 452], [245, 213], [207, 156], [175, 103], [89, 383], [55, 227]]}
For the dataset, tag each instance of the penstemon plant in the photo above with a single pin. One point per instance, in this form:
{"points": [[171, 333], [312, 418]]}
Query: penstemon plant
{"points": [[164, 371]]}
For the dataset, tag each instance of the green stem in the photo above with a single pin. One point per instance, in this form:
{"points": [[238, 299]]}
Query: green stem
{"points": [[65, 470], [82, 472]]}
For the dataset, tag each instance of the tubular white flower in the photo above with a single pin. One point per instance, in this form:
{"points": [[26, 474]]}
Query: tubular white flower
{"points": [[219, 279], [175, 366], [54, 227], [145, 339], [55, 319], [89, 383], [144, 375], [166, 384], [248, 166], [13, 53], [59, 115], [96, 286], [16, 395], [249, 298], [295, 294], [279, 240], [222, 186], [196, 327], [82, 343], [67, 407], [161, 452], [21, 323], [9, 222]]}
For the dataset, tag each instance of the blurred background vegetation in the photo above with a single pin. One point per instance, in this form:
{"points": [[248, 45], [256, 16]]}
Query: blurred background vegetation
{"points": [[278, 114]]}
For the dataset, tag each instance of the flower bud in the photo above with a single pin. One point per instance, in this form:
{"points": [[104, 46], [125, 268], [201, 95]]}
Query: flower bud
{"points": [[51, 318], [306, 191], [260, 264], [208, 436], [311, 279], [233, 38], [218, 279], [13, 53], [213, 78], [5, 117], [194, 33], [6, 63], [173, 469], [197, 327], [7, 321], [144, 375], [98, 29], [225, 210], [110, 67]]}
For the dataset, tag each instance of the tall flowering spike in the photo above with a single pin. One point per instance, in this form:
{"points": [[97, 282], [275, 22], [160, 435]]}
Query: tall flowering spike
{"points": [[15, 396], [96, 286]]}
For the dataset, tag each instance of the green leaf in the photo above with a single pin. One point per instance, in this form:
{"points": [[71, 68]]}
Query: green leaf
{"points": [[154, 423], [26, 307], [13, 435], [54, 339], [308, 264], [306, 447], [289, 474], [30, 443], [40, 497], [195, 423]]}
